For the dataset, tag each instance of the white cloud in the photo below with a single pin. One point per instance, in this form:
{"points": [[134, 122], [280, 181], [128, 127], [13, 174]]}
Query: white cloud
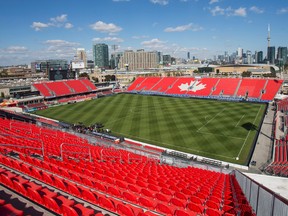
{"points": [[213, 1], [160, 2], [140, 37], [52, 49], [154, 44], [217, 11], [59, 21], [16, 49], [37, 26], [283, 11], [256, 10], [240, 12], [228, 11], [57, 45], [105, 27], [68, 26], [108, 39], [62, 18], [182, 28]]}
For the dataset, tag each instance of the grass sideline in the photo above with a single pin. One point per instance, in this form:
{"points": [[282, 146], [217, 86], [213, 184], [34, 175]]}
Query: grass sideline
{"points": [[216, 129]]}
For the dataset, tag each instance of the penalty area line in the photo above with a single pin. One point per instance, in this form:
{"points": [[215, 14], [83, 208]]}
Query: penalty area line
{"points": [[248, 134], [210, 119], [239, 121]]}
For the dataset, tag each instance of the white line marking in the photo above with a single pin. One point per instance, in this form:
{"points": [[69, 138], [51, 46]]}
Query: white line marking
{"points": [[210, 120], [239, 121], [248, 133], [222, 135], [198, 151]]}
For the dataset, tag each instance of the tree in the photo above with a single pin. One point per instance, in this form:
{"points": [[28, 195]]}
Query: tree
{"points": [[95, 79], [108, 78], [84, 75], [246, 74]]}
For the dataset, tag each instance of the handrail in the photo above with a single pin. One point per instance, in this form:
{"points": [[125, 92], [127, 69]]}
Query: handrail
{"points": [[61, 150], [101, 155], [10, 135]]}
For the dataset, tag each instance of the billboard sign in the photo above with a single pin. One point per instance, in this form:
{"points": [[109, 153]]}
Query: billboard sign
{"points": [[77, 65]]}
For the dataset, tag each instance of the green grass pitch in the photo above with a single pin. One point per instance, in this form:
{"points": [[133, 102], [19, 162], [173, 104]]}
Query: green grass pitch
{"points": [[215, 129]]}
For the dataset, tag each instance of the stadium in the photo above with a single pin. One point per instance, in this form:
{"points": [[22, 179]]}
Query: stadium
{"points": [[161, 146]]}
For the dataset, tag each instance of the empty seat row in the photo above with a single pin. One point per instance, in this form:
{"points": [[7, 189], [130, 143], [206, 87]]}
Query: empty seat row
{"points": [[262, 89], [64, 87]]}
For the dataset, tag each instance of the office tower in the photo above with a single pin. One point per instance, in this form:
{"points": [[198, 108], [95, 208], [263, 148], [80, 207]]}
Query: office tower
{"points": [[188, 55], [139, 60], [249, 57], [271, 55], [259, 57], [81, 55], [282, 55], [101, 55], [114, 60], [240, 52]]}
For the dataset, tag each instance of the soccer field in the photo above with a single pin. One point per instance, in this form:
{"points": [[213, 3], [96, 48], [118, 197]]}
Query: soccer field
{"points": [[215, 129]]}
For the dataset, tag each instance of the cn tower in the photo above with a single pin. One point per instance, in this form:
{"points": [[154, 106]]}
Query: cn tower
{"points": [[268, 38]]}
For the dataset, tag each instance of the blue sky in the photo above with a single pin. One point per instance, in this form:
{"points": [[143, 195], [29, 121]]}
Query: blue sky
{"points": [[49, 29]]}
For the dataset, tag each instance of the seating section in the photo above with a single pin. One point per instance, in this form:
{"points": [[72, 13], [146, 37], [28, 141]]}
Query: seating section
{"points": [[251, 87], [226, 86], [203, 87], [136, 84], [256, 89], [107, 179], [148, 85], [164, 84], [44, 90], [279, 165], [271, 89], [64, 87], [180, 86], [88, 84], [77, 86]]}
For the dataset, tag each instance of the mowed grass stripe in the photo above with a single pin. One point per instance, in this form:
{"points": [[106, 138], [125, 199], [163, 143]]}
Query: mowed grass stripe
{"points": [[172, 122]]}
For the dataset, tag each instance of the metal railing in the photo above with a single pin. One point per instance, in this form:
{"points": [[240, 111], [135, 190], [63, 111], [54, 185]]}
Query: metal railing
{"points": [[24, 147], [67, 144], [264, 201]]}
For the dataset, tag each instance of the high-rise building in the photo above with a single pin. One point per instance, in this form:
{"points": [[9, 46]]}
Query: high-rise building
{"points": [[240, 52], [139, 60], [249, 57], [282, 55], [81, 55], [101, 55], [188, 55], [259, 57], [167, 60], [271, 55], [114, 60]]}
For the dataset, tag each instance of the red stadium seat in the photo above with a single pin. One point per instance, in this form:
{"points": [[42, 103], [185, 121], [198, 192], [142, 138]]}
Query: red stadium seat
{"points": [[124, 210], [9, 209], [164, 209]]}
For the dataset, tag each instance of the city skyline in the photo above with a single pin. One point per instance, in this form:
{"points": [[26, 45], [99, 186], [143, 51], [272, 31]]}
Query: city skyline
{"points": [[204, 28]]}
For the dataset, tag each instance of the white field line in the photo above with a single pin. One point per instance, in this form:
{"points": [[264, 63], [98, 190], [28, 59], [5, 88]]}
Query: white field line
{"points": [[239, 121], [223, 135], [223, 156], [248, 133], [210, 120]]}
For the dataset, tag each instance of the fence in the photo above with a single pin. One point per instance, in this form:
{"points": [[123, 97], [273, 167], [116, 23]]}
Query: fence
{"points": [[263, 201]]}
